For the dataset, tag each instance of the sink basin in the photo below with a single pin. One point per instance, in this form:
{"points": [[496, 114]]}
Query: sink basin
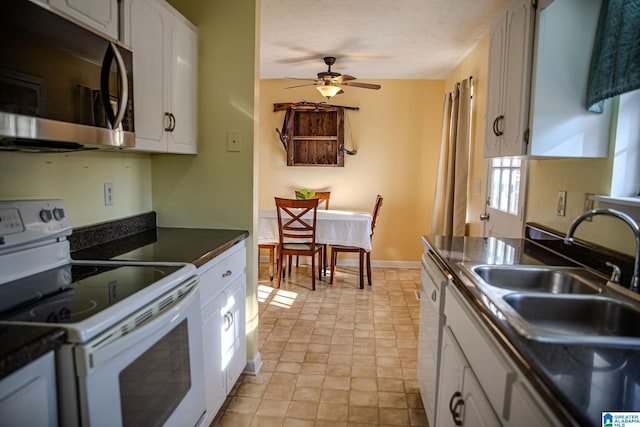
{"points": [[576, 318], [568, 305], [555, 280]]}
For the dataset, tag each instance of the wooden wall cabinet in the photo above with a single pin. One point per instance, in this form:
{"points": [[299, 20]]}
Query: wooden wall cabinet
{"points": [[315, 137]]}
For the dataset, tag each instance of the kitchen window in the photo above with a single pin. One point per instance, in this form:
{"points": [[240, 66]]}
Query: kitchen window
{"points": [[624, 193]]}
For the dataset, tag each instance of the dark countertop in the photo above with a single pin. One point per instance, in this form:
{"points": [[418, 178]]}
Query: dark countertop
{"points": [[22, 344], [192, 245], [578, 382]]}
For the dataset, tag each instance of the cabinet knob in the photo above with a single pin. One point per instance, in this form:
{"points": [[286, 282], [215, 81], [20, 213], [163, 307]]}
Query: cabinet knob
{"points": [[227, 273]]}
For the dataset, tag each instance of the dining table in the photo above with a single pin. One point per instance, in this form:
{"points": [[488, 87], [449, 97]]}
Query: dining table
{"points": [[333, 227]]}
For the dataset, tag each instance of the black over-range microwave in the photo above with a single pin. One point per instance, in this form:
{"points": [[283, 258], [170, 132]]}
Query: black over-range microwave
{"points": [[63, 86]]}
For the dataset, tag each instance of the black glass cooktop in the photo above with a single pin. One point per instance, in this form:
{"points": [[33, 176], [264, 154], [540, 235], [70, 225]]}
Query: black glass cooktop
{"points": [[74, 292]]}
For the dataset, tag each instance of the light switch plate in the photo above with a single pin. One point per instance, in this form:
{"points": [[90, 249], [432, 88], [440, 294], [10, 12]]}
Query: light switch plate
{"points": [[234, 142], [108, 193]]}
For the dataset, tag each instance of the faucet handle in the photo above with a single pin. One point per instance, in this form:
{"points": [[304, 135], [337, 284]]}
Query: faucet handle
{"points": [[615, 274]]}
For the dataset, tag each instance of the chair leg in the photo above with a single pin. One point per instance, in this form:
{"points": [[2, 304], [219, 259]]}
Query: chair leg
{"points": [[297, 261], [313, 272], [271, 263], [324, 258], [280, 270], [332, 266], [369, 267], [361, 265], [289, 260], [320, 261]]}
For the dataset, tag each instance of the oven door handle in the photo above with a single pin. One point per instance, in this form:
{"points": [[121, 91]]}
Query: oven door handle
{"points": [[161, 313]]}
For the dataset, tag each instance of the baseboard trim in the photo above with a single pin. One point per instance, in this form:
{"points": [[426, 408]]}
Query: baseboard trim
{"points": [[254, 365], [374, 263]]}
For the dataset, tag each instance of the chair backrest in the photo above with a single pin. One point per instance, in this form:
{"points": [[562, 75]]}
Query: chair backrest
{"points": [[376, 211], [322, 196], [297, 220]]}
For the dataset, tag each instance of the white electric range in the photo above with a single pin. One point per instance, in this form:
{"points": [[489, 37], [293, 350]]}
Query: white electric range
{"points": [[133, 354]]}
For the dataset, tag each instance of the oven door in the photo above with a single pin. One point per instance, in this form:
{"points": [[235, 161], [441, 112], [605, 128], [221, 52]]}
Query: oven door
{"points": [[147, 369]]}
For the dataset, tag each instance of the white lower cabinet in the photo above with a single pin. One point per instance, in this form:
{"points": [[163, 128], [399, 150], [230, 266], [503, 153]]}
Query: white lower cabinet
{"points": [[461, 399], [28, 396], [223, 290], [479, 385]]}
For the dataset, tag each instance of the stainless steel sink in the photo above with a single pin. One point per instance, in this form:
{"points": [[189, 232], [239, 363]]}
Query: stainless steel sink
{"points": [[567, 305], [576, 319], [555, 280]]}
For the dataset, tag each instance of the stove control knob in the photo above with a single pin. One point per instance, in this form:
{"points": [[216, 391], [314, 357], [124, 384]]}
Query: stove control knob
{"points": [[58, 214], [45, 215]]}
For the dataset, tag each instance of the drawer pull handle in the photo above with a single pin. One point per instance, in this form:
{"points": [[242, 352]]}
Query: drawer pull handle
{"points": [[454, 406], [434, 296], [227, 273]]}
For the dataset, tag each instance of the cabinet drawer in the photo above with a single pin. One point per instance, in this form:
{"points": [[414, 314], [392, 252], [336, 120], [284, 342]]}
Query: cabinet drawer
{"points": [[490, 367], [218, 273]]}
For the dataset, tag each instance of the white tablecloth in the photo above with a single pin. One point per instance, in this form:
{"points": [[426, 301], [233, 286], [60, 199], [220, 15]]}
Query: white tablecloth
{"points": [[333, 227]]}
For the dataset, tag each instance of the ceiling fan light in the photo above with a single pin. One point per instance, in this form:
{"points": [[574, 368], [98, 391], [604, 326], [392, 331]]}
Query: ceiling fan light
{"points": [[329, 90]]}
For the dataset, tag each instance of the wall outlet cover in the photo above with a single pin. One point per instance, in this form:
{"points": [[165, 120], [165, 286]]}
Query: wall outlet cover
{"points": [[562, 203]]}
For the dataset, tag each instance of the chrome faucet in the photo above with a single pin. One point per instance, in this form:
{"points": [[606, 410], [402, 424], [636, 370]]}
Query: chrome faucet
{"points": [[635, 281]]}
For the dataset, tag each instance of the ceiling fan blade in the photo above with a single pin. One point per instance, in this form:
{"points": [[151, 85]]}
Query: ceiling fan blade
{"points": [[301, 78], [306, 84], [362, 85], [344, 78]]}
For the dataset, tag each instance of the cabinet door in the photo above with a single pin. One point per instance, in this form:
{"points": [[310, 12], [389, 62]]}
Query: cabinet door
{"points": [[477, 410], [494, 124], [234, 355], [214, 372], [99, 14], [452, 365], [183, 88], [517, 77], [146, 23], [28, 396]]}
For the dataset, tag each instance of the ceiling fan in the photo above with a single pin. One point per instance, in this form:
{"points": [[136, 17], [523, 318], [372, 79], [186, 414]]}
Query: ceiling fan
{"points": [[330, 83]]}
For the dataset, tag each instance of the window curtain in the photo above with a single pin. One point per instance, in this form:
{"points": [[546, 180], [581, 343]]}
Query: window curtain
{"points": [[615, 61], [450, 202]]}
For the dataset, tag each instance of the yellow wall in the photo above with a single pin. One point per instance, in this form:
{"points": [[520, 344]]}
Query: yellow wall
{"points": [[79, 179], [396, 133], [476, 65]]}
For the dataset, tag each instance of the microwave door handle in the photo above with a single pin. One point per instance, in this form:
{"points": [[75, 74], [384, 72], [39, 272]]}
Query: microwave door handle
{"points": [[111, 54]]}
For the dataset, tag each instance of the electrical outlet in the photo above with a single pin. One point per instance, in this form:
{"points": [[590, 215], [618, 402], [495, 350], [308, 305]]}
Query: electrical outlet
{"points": [[108, 193], [234, 140], [562, 203]]}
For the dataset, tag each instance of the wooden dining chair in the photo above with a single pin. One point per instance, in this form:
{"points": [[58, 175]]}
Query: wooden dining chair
{"points": [[271, 247], [323, 197], [297, 234], [361, 252]]}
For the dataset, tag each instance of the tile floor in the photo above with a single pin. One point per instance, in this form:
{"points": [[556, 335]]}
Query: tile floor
{"points": [[339, 356]]}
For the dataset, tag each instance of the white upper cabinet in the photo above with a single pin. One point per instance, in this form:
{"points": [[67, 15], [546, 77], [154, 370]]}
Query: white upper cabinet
{"points": [[99, 14], [509, 78], [560, 124], [538, 82], [165, 48]]}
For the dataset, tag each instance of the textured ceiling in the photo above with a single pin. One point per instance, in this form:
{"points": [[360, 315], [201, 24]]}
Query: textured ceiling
{"points": [[372, 39]]}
